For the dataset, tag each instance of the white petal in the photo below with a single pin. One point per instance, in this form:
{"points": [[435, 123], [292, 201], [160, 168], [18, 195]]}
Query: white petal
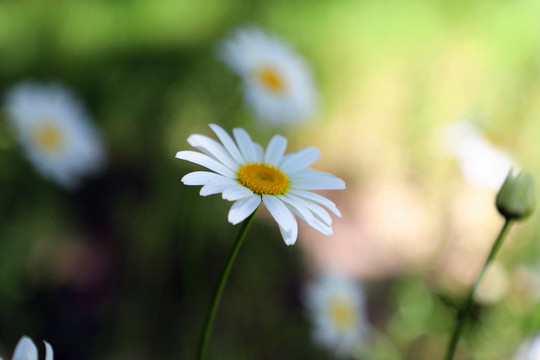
{"points": [[313, 207], [211, 189], [280, 212], [310, 179], [298, 206], [317, 198], [290, 236], [206, 161], [259, 152], [228, 143], [25, 350], [320, 225], [237, 192], [206, 177], [245, 144], [300, 160], [243, 208], [48, 351], [214, 149], [275, 150]]}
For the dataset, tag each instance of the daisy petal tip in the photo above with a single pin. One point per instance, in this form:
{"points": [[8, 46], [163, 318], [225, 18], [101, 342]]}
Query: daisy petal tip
{"points": [[48, 351], [289, 242], [233, 219], [216, 128], [180, 155], [188, 179], [192, 139], [289, 237], [25, 349]]}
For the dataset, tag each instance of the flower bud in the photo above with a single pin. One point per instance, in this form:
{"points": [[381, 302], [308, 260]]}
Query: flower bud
{"points": [[515, 200]]}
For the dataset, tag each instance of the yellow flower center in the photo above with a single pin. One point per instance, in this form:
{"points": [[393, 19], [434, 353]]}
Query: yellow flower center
{"points": [[48, 137], [263, 179], [343, 314], [271, 79]]}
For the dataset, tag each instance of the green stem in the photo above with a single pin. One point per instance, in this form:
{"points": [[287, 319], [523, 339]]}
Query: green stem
{"points": [[212, 310], [464, 312]]}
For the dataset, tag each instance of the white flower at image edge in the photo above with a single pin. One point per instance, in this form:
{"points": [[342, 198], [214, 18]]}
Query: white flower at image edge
{"points": [[529, 350], [245, 173], [277, 83], [26, 350], [336, 304], [55, 132]]}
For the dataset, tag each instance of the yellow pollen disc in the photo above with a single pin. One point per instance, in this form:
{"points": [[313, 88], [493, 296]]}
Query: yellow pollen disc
{"points": [[343, 314], [48, 137], [263, 179], [271, 79]]}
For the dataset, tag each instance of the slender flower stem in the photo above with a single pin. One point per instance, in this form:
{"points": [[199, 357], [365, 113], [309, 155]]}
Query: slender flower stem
{"points": [[212, 310], [464, 312]]}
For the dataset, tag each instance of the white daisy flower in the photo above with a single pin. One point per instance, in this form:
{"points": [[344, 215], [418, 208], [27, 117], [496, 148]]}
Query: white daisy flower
{"points": [[55, 132], [277, 83], [26, 350], [481, 162], [529, 350], [246, 174], [336, 304]]}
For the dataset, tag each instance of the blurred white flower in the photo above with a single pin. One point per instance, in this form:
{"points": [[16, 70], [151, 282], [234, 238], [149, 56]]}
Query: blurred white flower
{"points": [[277, 83], [336, 303], [26, 350], [55, 132], [245, 173], [529, 350], [481, 162]]}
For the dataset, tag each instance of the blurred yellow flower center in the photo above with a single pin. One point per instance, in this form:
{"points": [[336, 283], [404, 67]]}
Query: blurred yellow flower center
{"points": [[263, 179], [270, 78], [343, 314], [48, 137]]}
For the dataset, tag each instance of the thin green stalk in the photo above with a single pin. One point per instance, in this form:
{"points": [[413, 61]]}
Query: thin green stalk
{"points": [[464, 312], [216, 298]]}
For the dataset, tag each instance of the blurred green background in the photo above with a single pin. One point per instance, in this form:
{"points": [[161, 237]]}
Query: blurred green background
{"points": [[123, 268]]}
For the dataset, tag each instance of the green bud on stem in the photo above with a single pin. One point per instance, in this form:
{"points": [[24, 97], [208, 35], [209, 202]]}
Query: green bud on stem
{"points": [[515, 200]]}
